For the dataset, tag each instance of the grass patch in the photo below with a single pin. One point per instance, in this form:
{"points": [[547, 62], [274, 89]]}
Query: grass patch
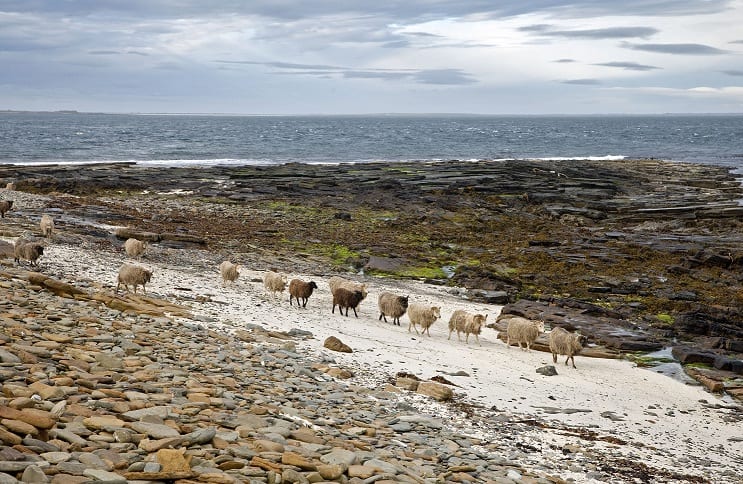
{"points": [[664, 318], [645, 361]]}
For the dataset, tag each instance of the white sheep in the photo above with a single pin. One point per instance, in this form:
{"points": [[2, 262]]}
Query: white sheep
{"points": [[27, 250], [274, 283], [335, 282], [522, 330], [134, 247], [46, 225], [468, 323], [563, 342], [130, 274], [393, 306], [229, 271], [424, 316]]}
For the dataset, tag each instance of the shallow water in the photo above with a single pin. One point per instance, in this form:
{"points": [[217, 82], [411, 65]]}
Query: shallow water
{"points": [[672, 369]]}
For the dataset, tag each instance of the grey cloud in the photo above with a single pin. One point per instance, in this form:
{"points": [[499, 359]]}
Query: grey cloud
{"points": [[607, 33], [565, 61], [536, 28], [405, 10], [375, 75], [736, 42], [397, 44], [688, 49], [104, 52], [630, 66], [444, 76], [733, 72], [423, 76], [582, 82]]}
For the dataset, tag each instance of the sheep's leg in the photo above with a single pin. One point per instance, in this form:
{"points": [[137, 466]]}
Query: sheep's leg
{"points": [[450, 331], [333, 311], [304, 302], [478, 340], [355, 314], [554, 358], [290, 300], [571, 357], [381, 315]]}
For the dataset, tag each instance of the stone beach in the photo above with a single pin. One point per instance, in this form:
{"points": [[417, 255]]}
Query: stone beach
{"points": [[200, 382]]}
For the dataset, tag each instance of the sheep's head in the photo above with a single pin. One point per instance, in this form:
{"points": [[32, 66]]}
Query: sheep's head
{"points": [[540, 326], [478, 321], [404, 301], [581, 338], [313, 285], [436, 311]]}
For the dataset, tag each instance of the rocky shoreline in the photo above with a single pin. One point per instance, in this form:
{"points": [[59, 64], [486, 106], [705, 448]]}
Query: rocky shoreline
{"points": [[648, 245], [111, 386]]}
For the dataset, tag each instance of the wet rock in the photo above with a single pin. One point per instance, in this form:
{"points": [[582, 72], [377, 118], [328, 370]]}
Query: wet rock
{"points": [[687, 355], [548, 370]]}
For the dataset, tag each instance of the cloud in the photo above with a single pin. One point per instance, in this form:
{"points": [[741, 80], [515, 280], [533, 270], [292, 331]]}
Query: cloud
{"points": [[683, 49], [630, 66], [582, 82], [604, 33], [728, 93], [564, 61], [450, 77], [443, 77], [733, 72]]}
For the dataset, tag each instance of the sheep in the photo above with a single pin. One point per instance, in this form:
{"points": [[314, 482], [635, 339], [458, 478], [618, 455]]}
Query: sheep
{"points": [[274, 283], [423, 315], [46, 225], [393, 306], [300, 289], [10, 186], [563, 342], [134, 275], [5, 206], [335, 282], [134, 247], [28, 250], [345, 298], [522, 330], [467, 323], [229, 271]]}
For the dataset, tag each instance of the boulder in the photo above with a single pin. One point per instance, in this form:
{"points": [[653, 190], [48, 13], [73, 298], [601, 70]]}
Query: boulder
{"points": [[334, 344], [687, 355], [435, 390]]}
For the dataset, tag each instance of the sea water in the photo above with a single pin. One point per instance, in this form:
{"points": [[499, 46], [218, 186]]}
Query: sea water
{"points": [[182, 140]]}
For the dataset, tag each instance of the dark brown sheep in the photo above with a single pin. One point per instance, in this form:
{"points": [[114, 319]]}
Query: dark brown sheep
{"points": [[300, 289], [5, 206], [347, 299]]}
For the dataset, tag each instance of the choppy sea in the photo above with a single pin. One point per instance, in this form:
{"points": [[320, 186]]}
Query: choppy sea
{"points": [[176, 140]]}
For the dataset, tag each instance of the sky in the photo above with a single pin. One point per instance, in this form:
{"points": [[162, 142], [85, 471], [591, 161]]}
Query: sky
{"points": [[350, 57]]}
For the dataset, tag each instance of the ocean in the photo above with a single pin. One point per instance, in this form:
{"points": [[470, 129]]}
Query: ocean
{"points": [[178, 140]]}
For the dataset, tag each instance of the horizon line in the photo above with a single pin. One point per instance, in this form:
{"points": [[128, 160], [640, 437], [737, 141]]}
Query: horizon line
{"points": [[422, 114]]}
